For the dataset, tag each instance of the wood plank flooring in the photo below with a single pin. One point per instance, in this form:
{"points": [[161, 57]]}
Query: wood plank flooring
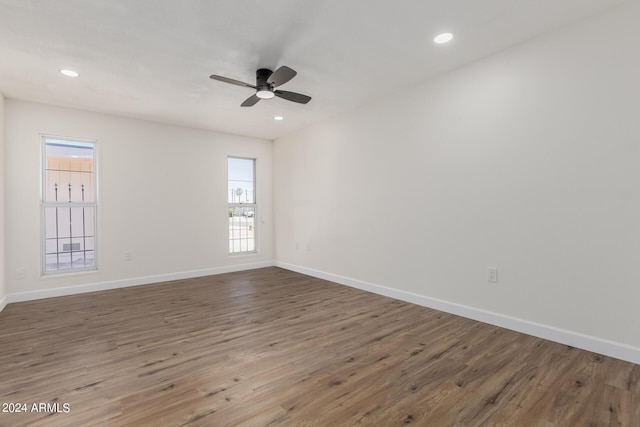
{"points": [[271, 347]]}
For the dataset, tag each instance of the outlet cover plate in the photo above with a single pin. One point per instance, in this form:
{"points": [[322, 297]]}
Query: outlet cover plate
{"points": [[492, 274]]}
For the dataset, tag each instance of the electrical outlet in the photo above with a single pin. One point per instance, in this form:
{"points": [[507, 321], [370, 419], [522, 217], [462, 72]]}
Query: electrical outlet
{"points": [[492, 274], [21, 273], [297, 246], [128, 255]]}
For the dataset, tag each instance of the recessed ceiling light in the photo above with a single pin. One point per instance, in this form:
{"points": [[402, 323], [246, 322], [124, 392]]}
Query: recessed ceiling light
{"points": [[443, 38], [69, 73], [278, 118]]}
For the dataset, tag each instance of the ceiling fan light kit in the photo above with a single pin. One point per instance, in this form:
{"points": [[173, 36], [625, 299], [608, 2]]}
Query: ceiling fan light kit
{"points": [[266, 82], [264, 94]]}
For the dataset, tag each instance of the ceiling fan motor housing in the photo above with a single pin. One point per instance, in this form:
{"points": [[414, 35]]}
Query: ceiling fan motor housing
{"points": [[261, 80]]}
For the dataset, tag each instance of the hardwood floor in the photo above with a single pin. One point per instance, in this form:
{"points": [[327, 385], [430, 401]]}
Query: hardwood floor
{"points": [[271, 347]]}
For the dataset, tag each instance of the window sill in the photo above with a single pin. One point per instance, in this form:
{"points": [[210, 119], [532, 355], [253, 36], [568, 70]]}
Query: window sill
{"points": [[243, 254], [67, 273]]}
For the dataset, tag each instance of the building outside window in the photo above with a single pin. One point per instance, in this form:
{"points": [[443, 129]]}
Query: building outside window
{"points": [[241, 200], [69, 205]]}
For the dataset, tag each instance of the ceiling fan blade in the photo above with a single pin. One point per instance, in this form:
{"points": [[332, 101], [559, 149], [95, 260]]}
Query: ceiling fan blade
{"points": [[281, 76], [250, 101], [292, 96], [231, 81]]}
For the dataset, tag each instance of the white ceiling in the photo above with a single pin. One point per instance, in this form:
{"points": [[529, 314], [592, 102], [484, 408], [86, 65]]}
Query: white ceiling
{"points": [[151, 59]]}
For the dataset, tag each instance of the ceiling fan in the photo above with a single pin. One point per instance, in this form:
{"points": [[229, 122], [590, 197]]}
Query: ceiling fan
{"points": [[266, 82]]}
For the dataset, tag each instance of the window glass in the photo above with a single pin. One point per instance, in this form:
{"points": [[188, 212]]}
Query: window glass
{"points": [[68, 205], [241, 199]]}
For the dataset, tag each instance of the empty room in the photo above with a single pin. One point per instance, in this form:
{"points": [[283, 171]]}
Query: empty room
{"points": [[297, 213]]}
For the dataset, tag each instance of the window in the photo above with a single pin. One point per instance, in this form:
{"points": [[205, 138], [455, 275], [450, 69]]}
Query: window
{"points": [[69, 205], [241, 205]]}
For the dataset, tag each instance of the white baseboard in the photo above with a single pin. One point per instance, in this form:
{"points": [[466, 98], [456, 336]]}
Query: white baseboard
{"points": [[114, 284], [3, 302], [563, 336], [551, 333]]}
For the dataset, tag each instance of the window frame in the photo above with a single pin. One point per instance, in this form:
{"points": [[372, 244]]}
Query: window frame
{"points": [[253, 205], [44, 204]]}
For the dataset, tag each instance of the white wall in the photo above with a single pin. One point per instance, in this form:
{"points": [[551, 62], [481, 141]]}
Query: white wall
{"points": [[3, 290], [162, 195], [527, 161]]}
